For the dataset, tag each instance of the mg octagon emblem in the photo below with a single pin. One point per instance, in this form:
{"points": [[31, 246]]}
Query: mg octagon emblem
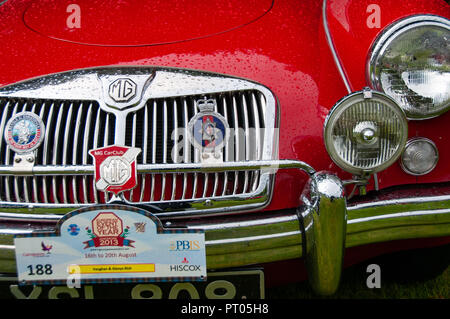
{"points": [[122, 90], [115, 168]]}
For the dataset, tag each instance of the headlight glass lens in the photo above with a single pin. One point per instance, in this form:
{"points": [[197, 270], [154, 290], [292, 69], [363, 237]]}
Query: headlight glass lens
{"points": [[365, 135], [420, 156], [411, 63]]}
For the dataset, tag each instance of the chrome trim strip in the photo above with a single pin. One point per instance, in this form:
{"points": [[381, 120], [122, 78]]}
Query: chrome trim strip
{"points": [[269, 165], [333, 48], [399, 202], [399, 215], [235, 203], [252, 238]]}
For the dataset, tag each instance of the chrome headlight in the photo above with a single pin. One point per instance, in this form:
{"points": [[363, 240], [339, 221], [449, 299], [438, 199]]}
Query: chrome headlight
{"points": [[365, 132], [410, 62]]}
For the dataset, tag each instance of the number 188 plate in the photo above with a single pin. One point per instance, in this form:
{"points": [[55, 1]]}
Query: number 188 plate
{"points": [[110, 244]]}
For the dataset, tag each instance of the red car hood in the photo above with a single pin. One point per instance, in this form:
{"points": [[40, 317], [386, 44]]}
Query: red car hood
{"points": [[138, 23]]}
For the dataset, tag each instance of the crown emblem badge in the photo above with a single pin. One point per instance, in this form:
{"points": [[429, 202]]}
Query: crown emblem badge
{"points": [[208, 131]]}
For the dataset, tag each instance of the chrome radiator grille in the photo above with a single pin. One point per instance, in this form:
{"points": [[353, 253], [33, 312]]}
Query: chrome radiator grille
{"points": [[77, 121], [75, 127]]}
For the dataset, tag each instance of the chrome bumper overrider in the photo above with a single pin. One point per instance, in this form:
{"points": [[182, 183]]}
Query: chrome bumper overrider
{"points": [[319, 230]]}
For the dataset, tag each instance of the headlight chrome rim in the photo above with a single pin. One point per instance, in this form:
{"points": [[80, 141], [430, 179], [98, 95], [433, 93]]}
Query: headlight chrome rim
{"points": [[340, 107], [382, 42]]}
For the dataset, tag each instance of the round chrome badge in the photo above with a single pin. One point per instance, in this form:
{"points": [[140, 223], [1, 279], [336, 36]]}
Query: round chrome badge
{"points": [[208, 130], [24, 132]]}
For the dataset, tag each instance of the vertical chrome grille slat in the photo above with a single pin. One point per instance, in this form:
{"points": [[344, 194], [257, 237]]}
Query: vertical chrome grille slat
{"points": [[45, 149], [2, 129], [247, 140], [155, 123], [105, 143], [144, 152], [17, 192], [85, 151], [33, 194], [257, 140], [7, 161], [175, 144], [216, 175], [94, 146], [133, 144], [65, 147], [236, 143], [75, 149], [226, 148], [196, 158], [186, 149], [164, 148], [55, 150], [34, 178]]}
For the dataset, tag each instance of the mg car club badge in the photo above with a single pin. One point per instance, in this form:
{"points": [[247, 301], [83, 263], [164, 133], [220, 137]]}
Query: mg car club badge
{"points": [[208, 131], [24, 132], [115, 168]]}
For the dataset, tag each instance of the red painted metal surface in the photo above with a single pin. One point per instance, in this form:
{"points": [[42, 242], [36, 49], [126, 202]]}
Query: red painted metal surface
{"points": [[148, 22], [280, 44]]}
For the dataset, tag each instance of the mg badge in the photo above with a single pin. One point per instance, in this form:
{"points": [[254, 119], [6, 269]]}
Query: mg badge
{"points": [[122, 90], [208, 131], [24, 132], [115, 168]]}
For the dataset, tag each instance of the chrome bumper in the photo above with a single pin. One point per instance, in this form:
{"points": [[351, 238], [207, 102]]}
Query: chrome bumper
{"points": [[319, 230]]}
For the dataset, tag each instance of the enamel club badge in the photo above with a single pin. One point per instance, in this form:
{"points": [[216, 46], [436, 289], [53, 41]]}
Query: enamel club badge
{"points": [[24, 132], [208, 131], [115, 168]]}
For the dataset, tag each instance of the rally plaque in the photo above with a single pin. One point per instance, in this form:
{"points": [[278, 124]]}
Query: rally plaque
{"points": [[110, 243]]}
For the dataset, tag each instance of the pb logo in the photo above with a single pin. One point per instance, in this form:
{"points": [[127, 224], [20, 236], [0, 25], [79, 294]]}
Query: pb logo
{"points": [[122, 90], [184, 245]]}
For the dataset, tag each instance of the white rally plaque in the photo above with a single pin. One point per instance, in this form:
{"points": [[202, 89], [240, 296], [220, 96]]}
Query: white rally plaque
{"points": [[110, 243]]}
